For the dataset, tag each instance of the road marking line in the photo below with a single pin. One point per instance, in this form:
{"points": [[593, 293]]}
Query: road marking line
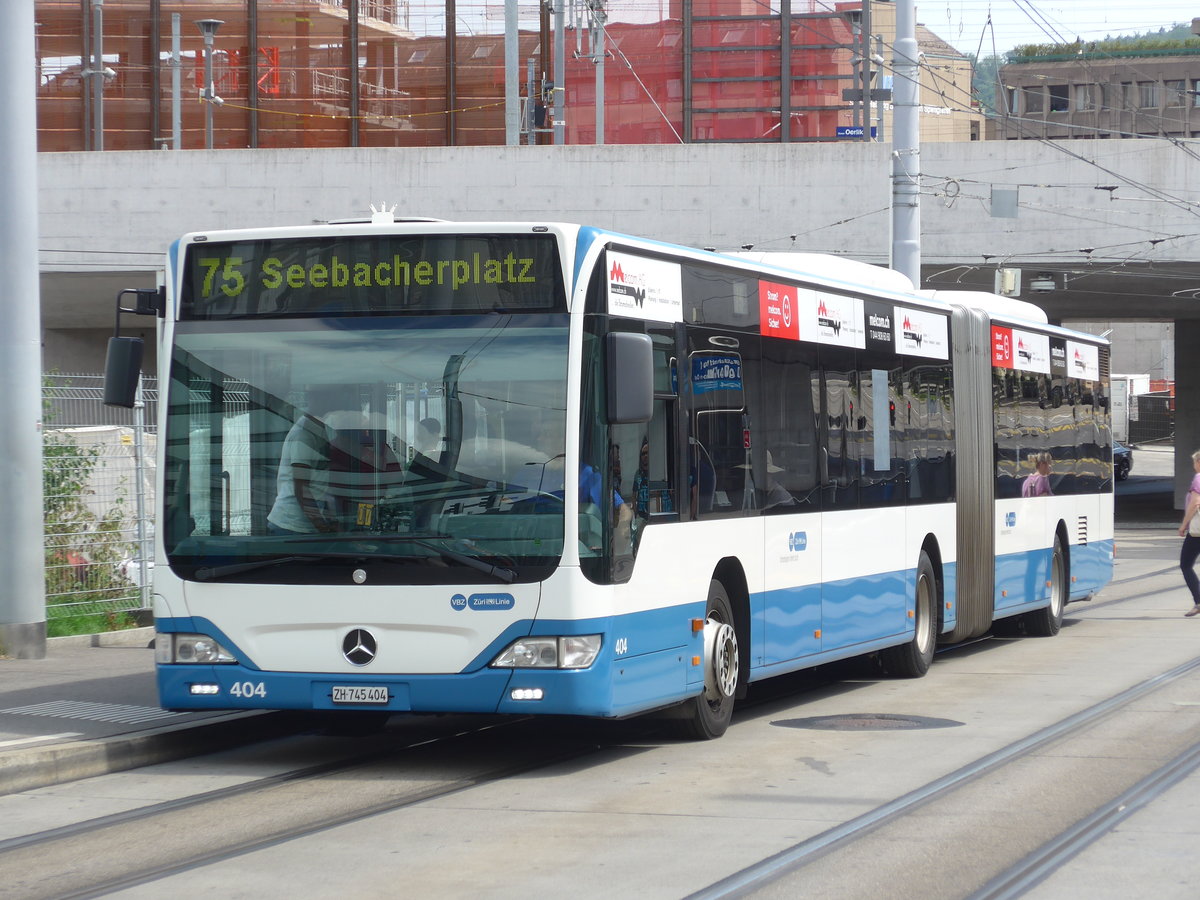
{"points": [[44, 737]]}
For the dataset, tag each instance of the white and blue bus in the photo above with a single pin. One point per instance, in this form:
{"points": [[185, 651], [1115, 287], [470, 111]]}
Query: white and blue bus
{"points": [[422, 466]]}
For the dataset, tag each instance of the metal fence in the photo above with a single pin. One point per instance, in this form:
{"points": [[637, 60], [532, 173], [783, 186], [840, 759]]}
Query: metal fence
{"points": [[1152, 418], [98, 493]]}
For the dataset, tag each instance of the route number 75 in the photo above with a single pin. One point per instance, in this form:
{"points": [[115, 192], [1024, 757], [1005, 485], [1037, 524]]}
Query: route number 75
{"points": [[232, 280]]}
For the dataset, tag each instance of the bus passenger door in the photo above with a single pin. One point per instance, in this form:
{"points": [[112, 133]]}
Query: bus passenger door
{"points": [[863, 527], [785, 455]]}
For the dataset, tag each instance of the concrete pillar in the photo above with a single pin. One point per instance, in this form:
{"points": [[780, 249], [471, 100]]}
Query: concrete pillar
{"points": [[1187, 398], [22, 553]]}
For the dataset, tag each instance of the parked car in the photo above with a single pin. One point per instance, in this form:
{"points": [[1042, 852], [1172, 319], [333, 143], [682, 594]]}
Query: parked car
{"points": [[1122, 461]]}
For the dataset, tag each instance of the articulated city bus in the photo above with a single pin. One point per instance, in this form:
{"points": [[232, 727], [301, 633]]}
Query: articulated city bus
{"points": [[426, 466]]}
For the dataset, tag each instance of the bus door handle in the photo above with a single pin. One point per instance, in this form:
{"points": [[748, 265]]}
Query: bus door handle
{"points": [[228, 498]]}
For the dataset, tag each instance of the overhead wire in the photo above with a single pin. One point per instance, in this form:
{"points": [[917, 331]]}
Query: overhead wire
{"points": [[945, 86]]}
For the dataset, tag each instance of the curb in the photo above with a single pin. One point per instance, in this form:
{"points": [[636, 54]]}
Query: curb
{"points": [[129, 637], [37, 767]]}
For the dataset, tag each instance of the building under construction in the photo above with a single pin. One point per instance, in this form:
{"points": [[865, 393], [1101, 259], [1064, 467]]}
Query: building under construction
{"points": [[130, 74]]}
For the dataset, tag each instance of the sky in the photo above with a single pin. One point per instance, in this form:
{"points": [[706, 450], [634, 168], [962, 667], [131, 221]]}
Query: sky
{"points": [[962, 23]]}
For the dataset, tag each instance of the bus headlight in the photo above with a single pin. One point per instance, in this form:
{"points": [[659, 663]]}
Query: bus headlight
{"points": [[189, 648], [576, 651]]}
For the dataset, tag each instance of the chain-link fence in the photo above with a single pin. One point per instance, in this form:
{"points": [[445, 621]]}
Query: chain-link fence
{"points": [[98, 492]]}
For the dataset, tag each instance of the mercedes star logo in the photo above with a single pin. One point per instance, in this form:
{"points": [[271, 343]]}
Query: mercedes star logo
{"points": [[359, 647]]}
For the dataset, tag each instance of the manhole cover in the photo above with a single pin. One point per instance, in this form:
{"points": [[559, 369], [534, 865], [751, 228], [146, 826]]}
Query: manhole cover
{"points": [[867, 722]]}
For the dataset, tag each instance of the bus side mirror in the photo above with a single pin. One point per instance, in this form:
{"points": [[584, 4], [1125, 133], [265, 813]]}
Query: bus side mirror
{"points": [[122, 366], [123, 361], [630, 381]]}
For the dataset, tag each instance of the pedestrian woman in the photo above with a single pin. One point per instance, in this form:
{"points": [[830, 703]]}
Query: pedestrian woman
{"points": [[1189, 530], [1037, 484]]}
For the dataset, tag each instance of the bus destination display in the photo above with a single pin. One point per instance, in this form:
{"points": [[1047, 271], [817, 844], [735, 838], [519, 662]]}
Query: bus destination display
{"points": [[371, 274]]}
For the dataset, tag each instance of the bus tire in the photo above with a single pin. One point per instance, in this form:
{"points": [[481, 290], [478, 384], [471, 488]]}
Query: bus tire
{"points": [[707, 715], [912, 659], [1047, 621]]}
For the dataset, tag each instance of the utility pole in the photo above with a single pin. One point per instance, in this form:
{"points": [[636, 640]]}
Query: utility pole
{"points": [[512, 100], [558, 110], [208, 28], [533, 92], [597, 17], [22, 546], [176, 64], [877, 61], [906, 148], [599, 40], [96, 73]]}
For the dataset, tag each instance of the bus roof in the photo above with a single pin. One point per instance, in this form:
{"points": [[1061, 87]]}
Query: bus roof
{"points": [[994, 304], [824, 265]]}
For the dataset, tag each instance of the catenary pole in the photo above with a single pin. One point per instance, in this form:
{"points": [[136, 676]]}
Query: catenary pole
{"points": [[96, 73], [906, 148], [599, 19], [512, 99], [560, 69], [176, 65], [22, 557]]}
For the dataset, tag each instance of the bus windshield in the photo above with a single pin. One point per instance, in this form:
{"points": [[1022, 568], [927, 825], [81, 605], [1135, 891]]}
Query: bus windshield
{"points": [[417, 450]]}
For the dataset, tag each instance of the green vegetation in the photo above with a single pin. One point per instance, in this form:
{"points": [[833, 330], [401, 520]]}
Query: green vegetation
{"points": [[85, 590], [1177, 38], [1165, 41], [983, 83]]}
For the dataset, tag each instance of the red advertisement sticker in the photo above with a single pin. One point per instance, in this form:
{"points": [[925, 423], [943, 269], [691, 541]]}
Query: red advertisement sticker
{"points": [[1002, 347], [777, 310]]}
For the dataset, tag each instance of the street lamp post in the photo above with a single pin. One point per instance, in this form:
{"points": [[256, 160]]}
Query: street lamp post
{"points": [[208, 27]]}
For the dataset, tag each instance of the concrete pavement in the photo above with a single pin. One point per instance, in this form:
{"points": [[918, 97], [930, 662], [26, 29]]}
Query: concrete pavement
{"points": [[91, 708]]}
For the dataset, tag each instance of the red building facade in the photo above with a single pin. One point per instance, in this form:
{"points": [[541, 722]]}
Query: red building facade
{"points": [[389, 73]]}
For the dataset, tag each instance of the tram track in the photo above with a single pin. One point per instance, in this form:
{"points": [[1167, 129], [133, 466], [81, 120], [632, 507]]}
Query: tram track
{"points": [[187, 834], [399, 776], [170, 836], [784, 865], [1030, 871], [318, 770]]}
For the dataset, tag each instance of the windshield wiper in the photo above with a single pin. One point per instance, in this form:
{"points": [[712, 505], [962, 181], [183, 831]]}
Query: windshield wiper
{"points": [[508, 576], [207, 573]]}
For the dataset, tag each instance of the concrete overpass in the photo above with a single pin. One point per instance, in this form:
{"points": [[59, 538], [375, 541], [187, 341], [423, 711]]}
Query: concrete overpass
{"points": [[1111, 226]]}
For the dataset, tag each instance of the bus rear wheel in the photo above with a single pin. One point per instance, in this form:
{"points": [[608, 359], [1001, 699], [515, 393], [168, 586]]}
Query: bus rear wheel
{"points": [[912, 659], [1047, 621], [707, 716]]}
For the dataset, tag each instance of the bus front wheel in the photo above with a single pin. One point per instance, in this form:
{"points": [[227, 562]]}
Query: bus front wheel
{"points": [[707, 716]]}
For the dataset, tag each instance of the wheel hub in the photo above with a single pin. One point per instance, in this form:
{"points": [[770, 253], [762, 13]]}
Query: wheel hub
{"points": [[721, 656]]}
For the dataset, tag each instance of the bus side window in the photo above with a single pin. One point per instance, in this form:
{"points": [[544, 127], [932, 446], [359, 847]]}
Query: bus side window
{"points": [[788, 428], [643, 455], [649, 454], [842, 411]]}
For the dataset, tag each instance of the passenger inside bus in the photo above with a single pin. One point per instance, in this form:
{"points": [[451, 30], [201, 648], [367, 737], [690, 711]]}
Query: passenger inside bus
{"points": [[649, 496], [427, 451], [546, 478], [302, 499], [1037, 483]]}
